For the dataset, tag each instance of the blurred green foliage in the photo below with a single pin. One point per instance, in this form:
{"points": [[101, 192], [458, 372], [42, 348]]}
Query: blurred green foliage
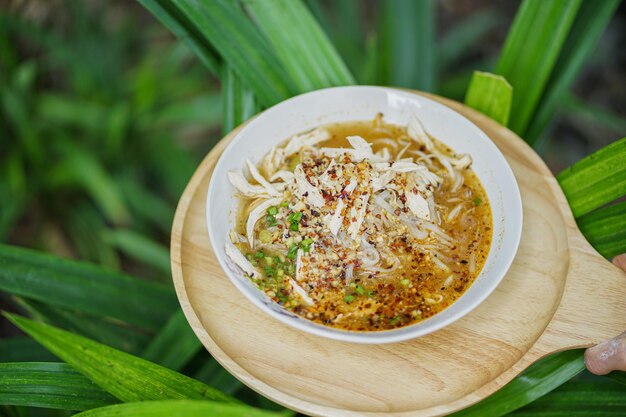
{"points": [[104, 116], [103, 125]]}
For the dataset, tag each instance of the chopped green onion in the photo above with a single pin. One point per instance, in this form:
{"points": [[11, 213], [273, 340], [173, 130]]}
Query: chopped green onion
{"points": [[477, 201], [280, 273], [294, 227], [273, 210], [348, 298], [271, 220], [371, 293], [269, 261], [278, 260], [284, 204], [306, 244], [360, 290], [296, 216], [290, 268], [292, 252], [405, 282], [269, 271], [394, 320], [259, 254]]}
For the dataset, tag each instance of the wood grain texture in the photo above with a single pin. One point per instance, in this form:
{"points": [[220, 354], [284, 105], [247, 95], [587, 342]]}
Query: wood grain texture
{"points": [[559, 294]]}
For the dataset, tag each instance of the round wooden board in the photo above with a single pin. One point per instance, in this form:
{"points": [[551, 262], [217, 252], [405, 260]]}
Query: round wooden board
{"points": [[558, 294]]}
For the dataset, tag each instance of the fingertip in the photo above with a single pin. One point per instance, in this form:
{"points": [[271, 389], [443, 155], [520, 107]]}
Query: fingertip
{"points": [[620, 261], [594, 363]]}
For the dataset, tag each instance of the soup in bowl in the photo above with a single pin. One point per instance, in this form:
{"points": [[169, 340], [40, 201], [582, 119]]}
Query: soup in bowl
{"points": [[384, 217]]}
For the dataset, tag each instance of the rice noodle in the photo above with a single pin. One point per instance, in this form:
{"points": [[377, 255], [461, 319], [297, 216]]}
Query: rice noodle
{"points": [[472, 262], [439, 264], [388, 142], [454, 212]]}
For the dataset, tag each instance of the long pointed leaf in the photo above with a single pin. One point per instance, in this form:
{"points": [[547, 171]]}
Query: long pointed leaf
{"points": [[169, 15], [81, 167], [531, 51], [590, 22], [303, 49], [239, 42], [140, 248], [50, 385], [125, 376], [598, 398], [605, 229], [238, 103], [491, 95], [618, 377], [147, 205], [347, 32], [536, 381], [597, 179], [178, 409], [113, 334], [174, 345], [84, 287], [409, 43]]}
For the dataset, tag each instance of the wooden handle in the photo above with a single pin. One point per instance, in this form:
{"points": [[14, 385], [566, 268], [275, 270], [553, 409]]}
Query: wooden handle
{"points": [[593, 307]]}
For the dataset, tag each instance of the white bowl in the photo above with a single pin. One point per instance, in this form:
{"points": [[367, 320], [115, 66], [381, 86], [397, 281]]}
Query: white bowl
{"points": [[339, 104]]}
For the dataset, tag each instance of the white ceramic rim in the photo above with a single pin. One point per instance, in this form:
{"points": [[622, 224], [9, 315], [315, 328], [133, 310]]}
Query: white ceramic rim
{"points": [[306, 111]]}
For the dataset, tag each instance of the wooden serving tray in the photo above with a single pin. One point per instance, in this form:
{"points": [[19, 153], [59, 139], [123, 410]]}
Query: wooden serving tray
{"points": [[559, 294]]}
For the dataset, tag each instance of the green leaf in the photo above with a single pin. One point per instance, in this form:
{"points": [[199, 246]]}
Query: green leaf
{"points": [[63, 110], [408, 44], [81, 167], [140, 248], [216, 376], [591, 20], [172, 18], [174, 345], [618, 377], [318, 64], [172, 164], [590, 113], [595, 180], [23, 349], [104, 331], [346, 32], [146, 204], [605, 229], [85, 226], [125, 376], [463, 38], [491, 95], [84, 287], [531, 51], [50, 385], [536, 381], [178, 409], [239, 42], [238, 103], [597, 398], [203, 110]]}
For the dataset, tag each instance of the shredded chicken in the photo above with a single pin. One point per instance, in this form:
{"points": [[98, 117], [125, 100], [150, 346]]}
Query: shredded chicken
{"points": [[238, 259], [255, 215]]}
